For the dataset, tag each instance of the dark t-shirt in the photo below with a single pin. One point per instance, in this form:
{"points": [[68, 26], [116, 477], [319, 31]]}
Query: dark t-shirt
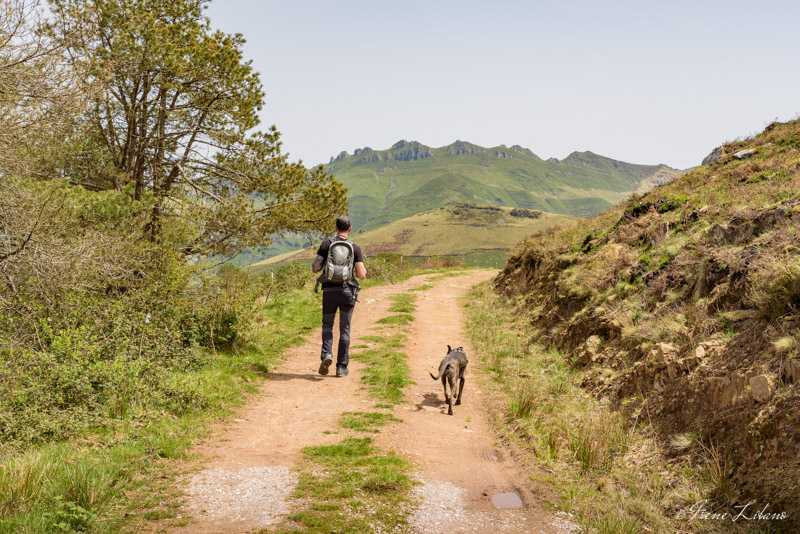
{"points": [[358, 256]]}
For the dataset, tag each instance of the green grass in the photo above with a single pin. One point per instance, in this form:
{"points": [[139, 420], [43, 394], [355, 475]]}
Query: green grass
{"points": [[400, 318], [402, 303], [367, 421], [386, 373], [423, 287], [121, 475]]}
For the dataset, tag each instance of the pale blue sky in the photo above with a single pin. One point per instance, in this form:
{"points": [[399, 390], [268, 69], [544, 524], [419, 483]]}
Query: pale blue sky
{"points": [[641, 81]]}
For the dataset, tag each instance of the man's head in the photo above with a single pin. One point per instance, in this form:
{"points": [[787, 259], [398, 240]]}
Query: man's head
{"points": [[343, 223]]}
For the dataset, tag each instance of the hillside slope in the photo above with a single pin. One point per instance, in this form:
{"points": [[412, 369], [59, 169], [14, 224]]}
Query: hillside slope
{"points": [[459, 229], [409, 178], [454, 230], [683, 309]]}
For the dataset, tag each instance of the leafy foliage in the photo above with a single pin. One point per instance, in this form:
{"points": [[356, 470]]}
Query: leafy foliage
{"points": [[172, 116]]}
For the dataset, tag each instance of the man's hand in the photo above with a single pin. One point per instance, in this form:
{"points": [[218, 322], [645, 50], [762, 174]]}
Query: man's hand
{"points": [[317, 265], [361, 271]]}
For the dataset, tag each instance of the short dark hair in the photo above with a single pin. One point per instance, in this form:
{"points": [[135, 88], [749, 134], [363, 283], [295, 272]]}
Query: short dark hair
{"points": [[343, 223]]}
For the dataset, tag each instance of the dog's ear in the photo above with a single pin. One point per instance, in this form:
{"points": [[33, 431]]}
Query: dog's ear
{"points": [[460, 349], [449, 350]]}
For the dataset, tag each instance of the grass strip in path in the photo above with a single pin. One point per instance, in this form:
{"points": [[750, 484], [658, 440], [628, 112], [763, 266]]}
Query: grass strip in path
{"points": [[367, 421], [353, 486], [423, 287]]}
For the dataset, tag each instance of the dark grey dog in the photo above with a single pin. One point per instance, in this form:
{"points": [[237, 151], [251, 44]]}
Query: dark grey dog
{"points": [[452, 370]]}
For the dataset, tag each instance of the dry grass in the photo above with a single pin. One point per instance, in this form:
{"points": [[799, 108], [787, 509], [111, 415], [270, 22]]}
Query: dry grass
{"points": [[777, 289]]}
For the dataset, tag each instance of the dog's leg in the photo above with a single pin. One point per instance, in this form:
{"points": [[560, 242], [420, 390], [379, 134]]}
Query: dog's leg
{"points": [[444, 385], [460, 391], [451, 379]]}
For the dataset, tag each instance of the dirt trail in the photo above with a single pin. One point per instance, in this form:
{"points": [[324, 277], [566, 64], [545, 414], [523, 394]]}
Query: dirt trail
{"points": [[247, 481], [456, 454]]}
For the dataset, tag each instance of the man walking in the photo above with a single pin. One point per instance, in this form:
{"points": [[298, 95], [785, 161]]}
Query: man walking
{"points": [[343, 261]]}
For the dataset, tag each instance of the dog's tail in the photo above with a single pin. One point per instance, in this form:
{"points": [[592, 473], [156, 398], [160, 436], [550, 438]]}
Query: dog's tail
{"points": [[442, 368]]}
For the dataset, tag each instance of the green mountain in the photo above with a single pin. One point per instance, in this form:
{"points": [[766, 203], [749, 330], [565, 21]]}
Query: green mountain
{"points": [[409, 178]]}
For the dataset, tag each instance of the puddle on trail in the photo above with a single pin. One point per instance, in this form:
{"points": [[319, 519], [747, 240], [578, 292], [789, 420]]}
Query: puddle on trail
{"points": [[506, 500]]}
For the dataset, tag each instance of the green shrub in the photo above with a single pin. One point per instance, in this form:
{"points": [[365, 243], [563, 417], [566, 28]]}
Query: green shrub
{"points": [[385, 267]]}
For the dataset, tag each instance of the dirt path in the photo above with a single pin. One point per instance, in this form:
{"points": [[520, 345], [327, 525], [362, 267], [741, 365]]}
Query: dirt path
{"points": [[461, 467], [248, 480]]}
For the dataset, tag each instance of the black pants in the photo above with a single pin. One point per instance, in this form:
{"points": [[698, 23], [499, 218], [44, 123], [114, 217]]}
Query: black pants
{"points": [[344, 301]]}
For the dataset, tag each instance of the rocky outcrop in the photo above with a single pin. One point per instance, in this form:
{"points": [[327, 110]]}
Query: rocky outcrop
{"points": [[720, 234], [502, 154], [462, 149], [374, 157], [528, 152], [713, 156], [412, 153], [744, 154], [343, 154], [761, 388], [590, 351]]}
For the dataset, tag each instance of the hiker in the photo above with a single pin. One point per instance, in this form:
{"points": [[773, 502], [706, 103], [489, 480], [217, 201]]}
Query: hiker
{"points": [[340, 261]]}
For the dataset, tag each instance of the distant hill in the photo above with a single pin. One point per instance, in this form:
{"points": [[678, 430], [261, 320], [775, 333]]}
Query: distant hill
{"points": [[456, 229], [409, 178]]}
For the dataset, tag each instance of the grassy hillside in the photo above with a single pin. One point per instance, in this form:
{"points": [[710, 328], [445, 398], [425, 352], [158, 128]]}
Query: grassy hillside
{"points": [[454, 230], [681, 308], [409, 178]]}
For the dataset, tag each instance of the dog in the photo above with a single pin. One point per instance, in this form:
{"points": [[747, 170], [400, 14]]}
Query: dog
{"points": [[451, 371]]}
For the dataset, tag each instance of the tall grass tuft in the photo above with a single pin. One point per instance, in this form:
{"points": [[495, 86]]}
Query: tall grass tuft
{"points": [[718, 469], [598, 439], [524, 400]]}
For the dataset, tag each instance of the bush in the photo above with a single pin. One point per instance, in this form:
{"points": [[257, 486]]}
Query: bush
{"points": [[441, 262], [386, 267], [93, 316]]}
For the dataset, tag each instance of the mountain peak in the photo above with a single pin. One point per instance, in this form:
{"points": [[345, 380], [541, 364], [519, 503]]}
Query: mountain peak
{"points": [[523, 150]]}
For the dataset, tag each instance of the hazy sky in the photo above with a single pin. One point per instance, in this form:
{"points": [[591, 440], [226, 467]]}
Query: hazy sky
{"points": [[641, 81]]}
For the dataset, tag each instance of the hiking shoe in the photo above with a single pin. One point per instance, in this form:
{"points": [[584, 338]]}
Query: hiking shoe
{"points": [[326, 363], [341, 371]]}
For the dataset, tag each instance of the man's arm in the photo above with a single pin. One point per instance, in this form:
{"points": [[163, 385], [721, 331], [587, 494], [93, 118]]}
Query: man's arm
{"points": [[361, 271], [317, 265]]}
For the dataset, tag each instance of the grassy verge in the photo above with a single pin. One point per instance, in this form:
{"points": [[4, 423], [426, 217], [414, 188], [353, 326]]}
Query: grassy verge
{"points": [[608, 471], [353, 486], [119, 478]]}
